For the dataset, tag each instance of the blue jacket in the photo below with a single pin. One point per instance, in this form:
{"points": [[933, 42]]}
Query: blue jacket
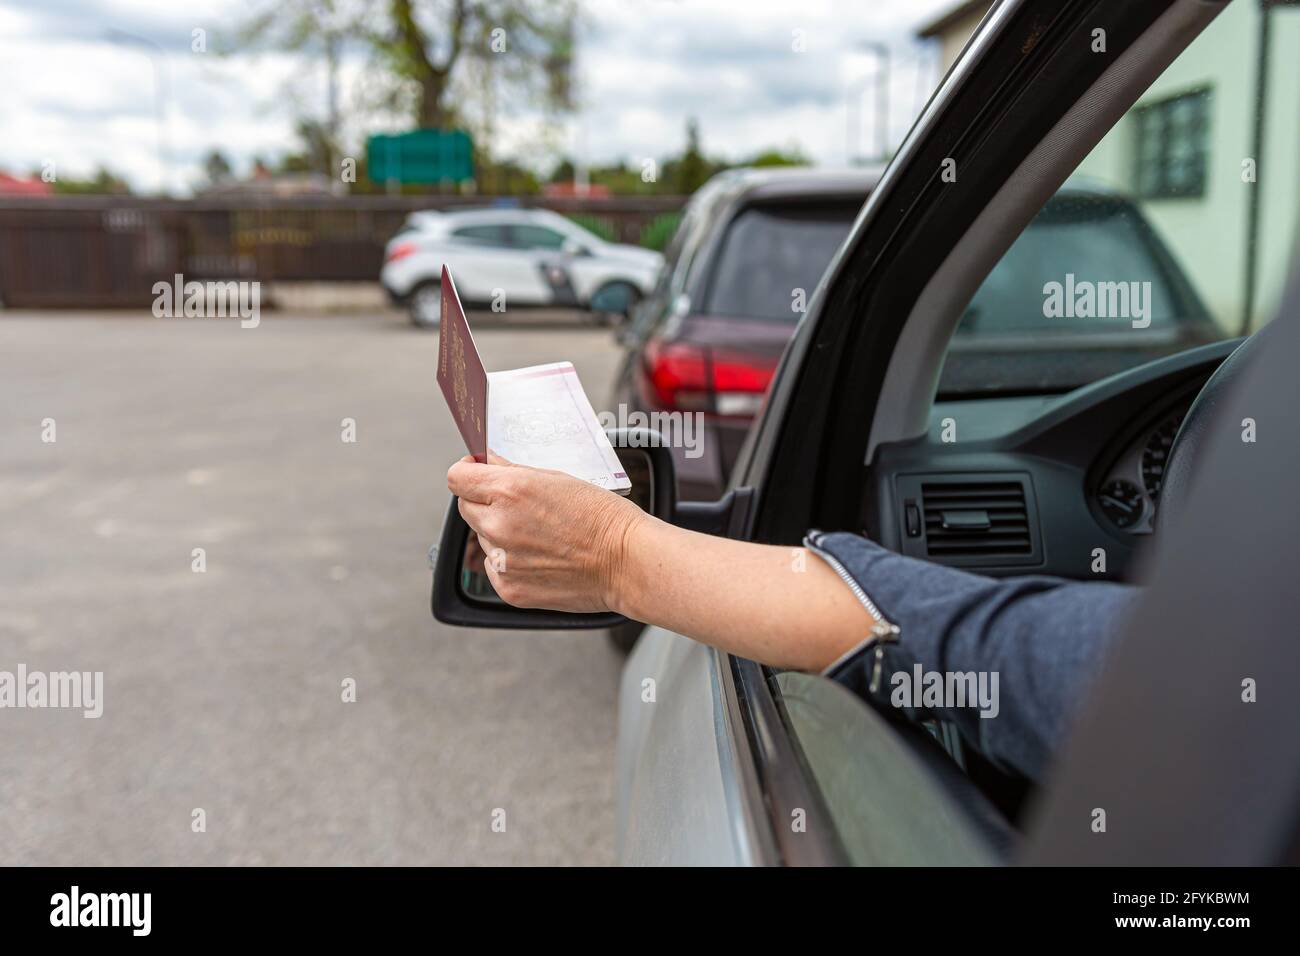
{"points": [[1022, 650]]}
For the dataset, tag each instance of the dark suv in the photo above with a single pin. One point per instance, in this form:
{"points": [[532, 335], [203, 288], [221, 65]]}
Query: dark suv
{"points": [[751, 247]]}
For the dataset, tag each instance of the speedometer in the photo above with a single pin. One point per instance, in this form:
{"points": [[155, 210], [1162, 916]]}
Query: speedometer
{"points": [[1121, 502], [1155, 456]]}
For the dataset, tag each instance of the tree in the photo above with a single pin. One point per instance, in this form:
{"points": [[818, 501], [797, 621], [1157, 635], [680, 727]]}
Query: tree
{"points": [[315, 153], [775, 157], [691, 170], [102, 181], [216, 167], [425, 47]]}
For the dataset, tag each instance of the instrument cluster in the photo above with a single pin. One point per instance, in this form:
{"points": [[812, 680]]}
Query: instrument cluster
{"points": [[1130, 492]]}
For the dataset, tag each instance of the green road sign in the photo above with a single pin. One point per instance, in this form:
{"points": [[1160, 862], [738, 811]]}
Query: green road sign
{"points": [[421, 156]]}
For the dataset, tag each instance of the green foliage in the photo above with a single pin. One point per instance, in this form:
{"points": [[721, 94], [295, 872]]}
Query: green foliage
{"points": [[216, 167], [420, 51], [103, 181], [660, 231], [691, 170], [595, 224], [503, 177], [774, 157]]}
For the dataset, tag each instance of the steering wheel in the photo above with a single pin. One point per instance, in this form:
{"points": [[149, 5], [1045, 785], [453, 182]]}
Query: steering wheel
{"points": [[1196, 428]]}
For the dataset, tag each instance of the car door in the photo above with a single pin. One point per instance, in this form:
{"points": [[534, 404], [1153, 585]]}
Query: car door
{"points": [[541, 247], [491, 268], [781, 758]]}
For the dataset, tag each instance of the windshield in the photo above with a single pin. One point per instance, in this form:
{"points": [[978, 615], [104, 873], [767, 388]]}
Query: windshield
{"points": [[772, 258], [1173, 232]]}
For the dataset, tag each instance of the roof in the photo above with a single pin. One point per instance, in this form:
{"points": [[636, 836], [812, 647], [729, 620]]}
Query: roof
{"points": [[946, 21], [467, 215], [792, 182], [16, 186]]}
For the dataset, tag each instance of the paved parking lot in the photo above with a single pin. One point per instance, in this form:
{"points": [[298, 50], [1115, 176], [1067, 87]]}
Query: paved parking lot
{"points": [[223, 688]]}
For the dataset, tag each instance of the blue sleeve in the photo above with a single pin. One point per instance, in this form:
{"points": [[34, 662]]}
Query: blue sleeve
{"points": [[1021, 650]]}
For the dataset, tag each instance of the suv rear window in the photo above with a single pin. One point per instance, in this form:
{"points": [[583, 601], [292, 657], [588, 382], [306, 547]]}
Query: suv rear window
{"points": [[1077, 240], [770, 251]]}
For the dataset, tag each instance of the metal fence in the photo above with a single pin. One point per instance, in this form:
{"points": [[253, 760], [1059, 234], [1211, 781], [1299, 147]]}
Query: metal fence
{"points": [[107, 252]]}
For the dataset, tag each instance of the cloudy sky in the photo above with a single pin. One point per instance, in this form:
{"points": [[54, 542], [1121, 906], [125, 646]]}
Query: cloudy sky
{"points": [[79, 82]]}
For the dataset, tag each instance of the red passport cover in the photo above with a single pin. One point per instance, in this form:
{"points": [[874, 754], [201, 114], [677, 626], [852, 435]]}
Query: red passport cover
{"points": [[460, 372]]}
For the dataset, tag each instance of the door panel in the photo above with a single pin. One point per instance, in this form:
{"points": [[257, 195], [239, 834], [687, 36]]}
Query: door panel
{"points": [[481, 267], [880, 792], [680, 800]]}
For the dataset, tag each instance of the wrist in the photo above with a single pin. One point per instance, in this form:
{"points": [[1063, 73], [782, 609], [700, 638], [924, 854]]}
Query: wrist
{"points": [[624, 588]]}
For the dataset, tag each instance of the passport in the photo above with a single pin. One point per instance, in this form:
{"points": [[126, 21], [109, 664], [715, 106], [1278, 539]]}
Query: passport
{"points": [[538, 416], [461, 375]]}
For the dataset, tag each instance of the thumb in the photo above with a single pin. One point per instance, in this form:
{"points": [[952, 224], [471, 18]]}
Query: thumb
{"points": [[494, 459]]}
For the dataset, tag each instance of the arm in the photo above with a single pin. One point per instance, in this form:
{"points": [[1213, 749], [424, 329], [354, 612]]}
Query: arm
{"points": [[1037, 641], [571, 546]]}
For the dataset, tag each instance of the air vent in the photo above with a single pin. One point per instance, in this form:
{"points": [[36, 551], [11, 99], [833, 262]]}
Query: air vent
{"points": [[971, 519], [976, 519]]}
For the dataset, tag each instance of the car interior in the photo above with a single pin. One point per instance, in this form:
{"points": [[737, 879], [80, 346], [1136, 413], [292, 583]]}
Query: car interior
{"points": [[1064, 478]]}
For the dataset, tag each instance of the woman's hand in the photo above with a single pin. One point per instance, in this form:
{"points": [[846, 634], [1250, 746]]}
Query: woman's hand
{"points": [[551, 541]]}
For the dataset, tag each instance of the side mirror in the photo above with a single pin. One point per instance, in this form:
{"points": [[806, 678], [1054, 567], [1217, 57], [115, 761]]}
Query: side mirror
{"points": [[463, 595], [572, 247]]}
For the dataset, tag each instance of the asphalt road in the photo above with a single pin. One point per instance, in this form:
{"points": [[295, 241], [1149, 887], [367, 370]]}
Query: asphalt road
{"points": [[223, 689]]}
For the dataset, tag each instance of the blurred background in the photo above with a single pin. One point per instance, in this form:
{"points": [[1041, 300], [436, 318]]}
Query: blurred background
{"points": [[289, 143], [567, 159], [286, 141]]}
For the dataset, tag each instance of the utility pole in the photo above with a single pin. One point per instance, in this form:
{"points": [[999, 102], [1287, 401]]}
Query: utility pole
{"points": [[162, 94]]}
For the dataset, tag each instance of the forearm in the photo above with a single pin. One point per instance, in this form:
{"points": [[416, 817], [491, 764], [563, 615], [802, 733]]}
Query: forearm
{"points": [[1024, 648], [779, 605]]}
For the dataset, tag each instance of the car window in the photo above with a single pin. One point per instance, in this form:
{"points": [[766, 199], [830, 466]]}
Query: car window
{"points": [[888, 807], [1171, 234], [773, 256], [1091, 239], [494, 235], [679, 256], [537, 237]]}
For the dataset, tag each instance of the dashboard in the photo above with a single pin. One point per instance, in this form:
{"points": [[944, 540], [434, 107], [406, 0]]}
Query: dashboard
{"points": [[1130, 491], [1067, 485]]}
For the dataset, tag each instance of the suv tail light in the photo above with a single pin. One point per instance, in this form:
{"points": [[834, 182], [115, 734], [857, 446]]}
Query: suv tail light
{"points": [[693, 378], [399, 251]]}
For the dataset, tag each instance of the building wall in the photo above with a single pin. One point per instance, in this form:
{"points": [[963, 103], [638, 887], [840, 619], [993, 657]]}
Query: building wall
{"points": [[1208, 234], [953, 39]]}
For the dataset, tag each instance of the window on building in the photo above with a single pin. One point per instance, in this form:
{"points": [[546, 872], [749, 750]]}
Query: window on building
{"points": [[1173, 146]]}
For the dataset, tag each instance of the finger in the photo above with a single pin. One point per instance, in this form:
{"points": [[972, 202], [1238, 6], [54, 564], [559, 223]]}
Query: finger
{"points": [[474, 512], [494, 556], [469, 479], [474, 555], [495, 459]]}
